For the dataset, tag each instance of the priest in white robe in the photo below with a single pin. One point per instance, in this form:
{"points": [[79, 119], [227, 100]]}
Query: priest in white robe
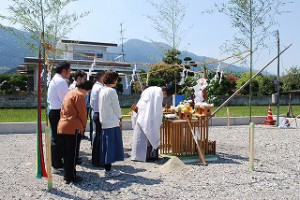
{"points": [[146, 122]]}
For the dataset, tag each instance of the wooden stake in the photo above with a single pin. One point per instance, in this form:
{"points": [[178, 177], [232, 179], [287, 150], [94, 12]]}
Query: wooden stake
{"points": [[251, 146], [228, 121]]}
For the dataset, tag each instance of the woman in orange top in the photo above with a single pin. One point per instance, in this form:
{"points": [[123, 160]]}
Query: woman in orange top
{"points": [[73, 118]]}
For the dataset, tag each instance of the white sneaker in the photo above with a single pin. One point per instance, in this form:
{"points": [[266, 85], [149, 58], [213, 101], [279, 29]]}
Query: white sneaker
{"points": [[112, 173]]}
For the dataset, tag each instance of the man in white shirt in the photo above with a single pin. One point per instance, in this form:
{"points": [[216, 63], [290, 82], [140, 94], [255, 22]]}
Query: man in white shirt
{"points": [[57, 90], [94, 102]]}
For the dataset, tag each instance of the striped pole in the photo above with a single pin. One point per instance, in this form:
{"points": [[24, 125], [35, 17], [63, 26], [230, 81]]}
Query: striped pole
{"points": [[40, 164]]}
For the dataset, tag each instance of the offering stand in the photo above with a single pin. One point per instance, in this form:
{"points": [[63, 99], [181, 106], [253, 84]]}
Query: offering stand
{"points": [[176, 136]]}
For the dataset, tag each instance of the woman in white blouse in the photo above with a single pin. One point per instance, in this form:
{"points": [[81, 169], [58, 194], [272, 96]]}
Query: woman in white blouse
{"points": [[110, 117]]}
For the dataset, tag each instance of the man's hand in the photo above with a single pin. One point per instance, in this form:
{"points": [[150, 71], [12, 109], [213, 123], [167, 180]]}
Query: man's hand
{"points": [[134, 108]]}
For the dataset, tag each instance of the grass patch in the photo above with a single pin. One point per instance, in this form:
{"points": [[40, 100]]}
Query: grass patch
{"points": [[241, 111], [30, 115]]}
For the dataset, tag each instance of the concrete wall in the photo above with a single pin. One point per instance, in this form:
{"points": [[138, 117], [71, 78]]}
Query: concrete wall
{"points": [[30, 127], [261, 100], [18, 101]]}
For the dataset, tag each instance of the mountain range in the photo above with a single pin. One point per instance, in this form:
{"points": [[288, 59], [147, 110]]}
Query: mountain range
{"points": [[12, 52]]}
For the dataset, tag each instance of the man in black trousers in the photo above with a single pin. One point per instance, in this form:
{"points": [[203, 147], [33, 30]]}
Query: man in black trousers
{"points": [[94, 101], [57, 90]]}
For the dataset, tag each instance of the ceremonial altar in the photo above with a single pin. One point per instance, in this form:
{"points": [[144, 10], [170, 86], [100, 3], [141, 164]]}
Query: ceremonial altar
{"points": [[176, 136]]}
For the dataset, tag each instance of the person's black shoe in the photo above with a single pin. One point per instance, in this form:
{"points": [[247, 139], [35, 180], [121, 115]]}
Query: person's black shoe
{"points": [[84, 137], [98, 164], [78, 161], [76, 180]]}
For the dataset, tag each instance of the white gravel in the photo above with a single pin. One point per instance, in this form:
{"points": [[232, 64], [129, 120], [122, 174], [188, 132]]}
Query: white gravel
{"points": [[276, 174]]}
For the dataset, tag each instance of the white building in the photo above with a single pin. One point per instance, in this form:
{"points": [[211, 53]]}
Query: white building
{"points": [[81, 55]]}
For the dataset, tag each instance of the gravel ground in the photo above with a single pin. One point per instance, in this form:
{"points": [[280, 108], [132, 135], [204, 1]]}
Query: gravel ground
{"points": [[276, 174]]}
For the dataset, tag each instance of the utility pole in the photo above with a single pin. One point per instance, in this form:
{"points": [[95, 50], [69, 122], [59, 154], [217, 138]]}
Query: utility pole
{"points": [[278, 74], [122, 41]]}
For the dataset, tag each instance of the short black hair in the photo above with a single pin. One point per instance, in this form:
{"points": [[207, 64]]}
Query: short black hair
{"points": [[110, 77], [100, 74], [86, 85], [61, 66], [168, 89], [79, 73]]}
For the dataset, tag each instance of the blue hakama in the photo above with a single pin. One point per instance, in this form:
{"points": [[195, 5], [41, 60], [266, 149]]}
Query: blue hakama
{"points": [[112, 146]]}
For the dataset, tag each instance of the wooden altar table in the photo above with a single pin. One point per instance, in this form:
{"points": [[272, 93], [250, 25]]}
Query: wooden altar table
{"points": [[176, 137]]}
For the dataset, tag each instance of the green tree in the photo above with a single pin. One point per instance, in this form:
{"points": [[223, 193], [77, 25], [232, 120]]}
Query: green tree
{"points": [[254, 21], [291, 80], [13, 84], [4, 77], [163, 74], [171, 57], [244, 78], [265, 85]]}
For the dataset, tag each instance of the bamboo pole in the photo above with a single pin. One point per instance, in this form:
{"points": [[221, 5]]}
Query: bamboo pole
{"points": [[200, 153], [243, 86]]}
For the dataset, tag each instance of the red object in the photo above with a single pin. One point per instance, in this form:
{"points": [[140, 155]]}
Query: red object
{"points": [[269, 120]]}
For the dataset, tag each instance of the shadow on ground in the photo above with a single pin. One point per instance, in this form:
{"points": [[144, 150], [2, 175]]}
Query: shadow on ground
{"points": [[98, 182]]}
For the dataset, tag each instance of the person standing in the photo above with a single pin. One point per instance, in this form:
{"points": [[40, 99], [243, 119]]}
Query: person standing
{"points": [[79, 76], [73, 118], [89, 115], [147, 119], [111, 118], [94, 102], [57, 90]]}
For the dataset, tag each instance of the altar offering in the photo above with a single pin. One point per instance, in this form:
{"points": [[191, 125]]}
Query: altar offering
{"points": [[204, 109]]}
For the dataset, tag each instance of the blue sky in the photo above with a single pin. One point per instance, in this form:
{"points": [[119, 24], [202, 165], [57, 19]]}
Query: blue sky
{"points": [[207, 34]]}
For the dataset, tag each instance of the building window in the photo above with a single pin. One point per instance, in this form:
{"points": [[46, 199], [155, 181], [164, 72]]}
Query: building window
{"points": [[99, 55]]}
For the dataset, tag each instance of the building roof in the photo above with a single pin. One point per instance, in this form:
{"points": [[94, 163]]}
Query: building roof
{"points": [[31, 62], [88, 43]]}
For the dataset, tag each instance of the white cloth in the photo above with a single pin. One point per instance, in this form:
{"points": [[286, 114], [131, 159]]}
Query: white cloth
{"points": [[94, 100], [109, 108], [57, 91], [139, 146], [150, 112], [72, 85]]}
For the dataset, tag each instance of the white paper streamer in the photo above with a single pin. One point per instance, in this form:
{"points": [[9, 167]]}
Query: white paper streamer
{"points": [[221, 75], [133, 74], [48, 78], [91, 69], [182, 74], [126, 82], [139, 80], [148, 75]]}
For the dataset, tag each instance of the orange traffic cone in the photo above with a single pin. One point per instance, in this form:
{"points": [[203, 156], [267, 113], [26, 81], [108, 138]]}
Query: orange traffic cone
{"points": [[269, 120]]}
